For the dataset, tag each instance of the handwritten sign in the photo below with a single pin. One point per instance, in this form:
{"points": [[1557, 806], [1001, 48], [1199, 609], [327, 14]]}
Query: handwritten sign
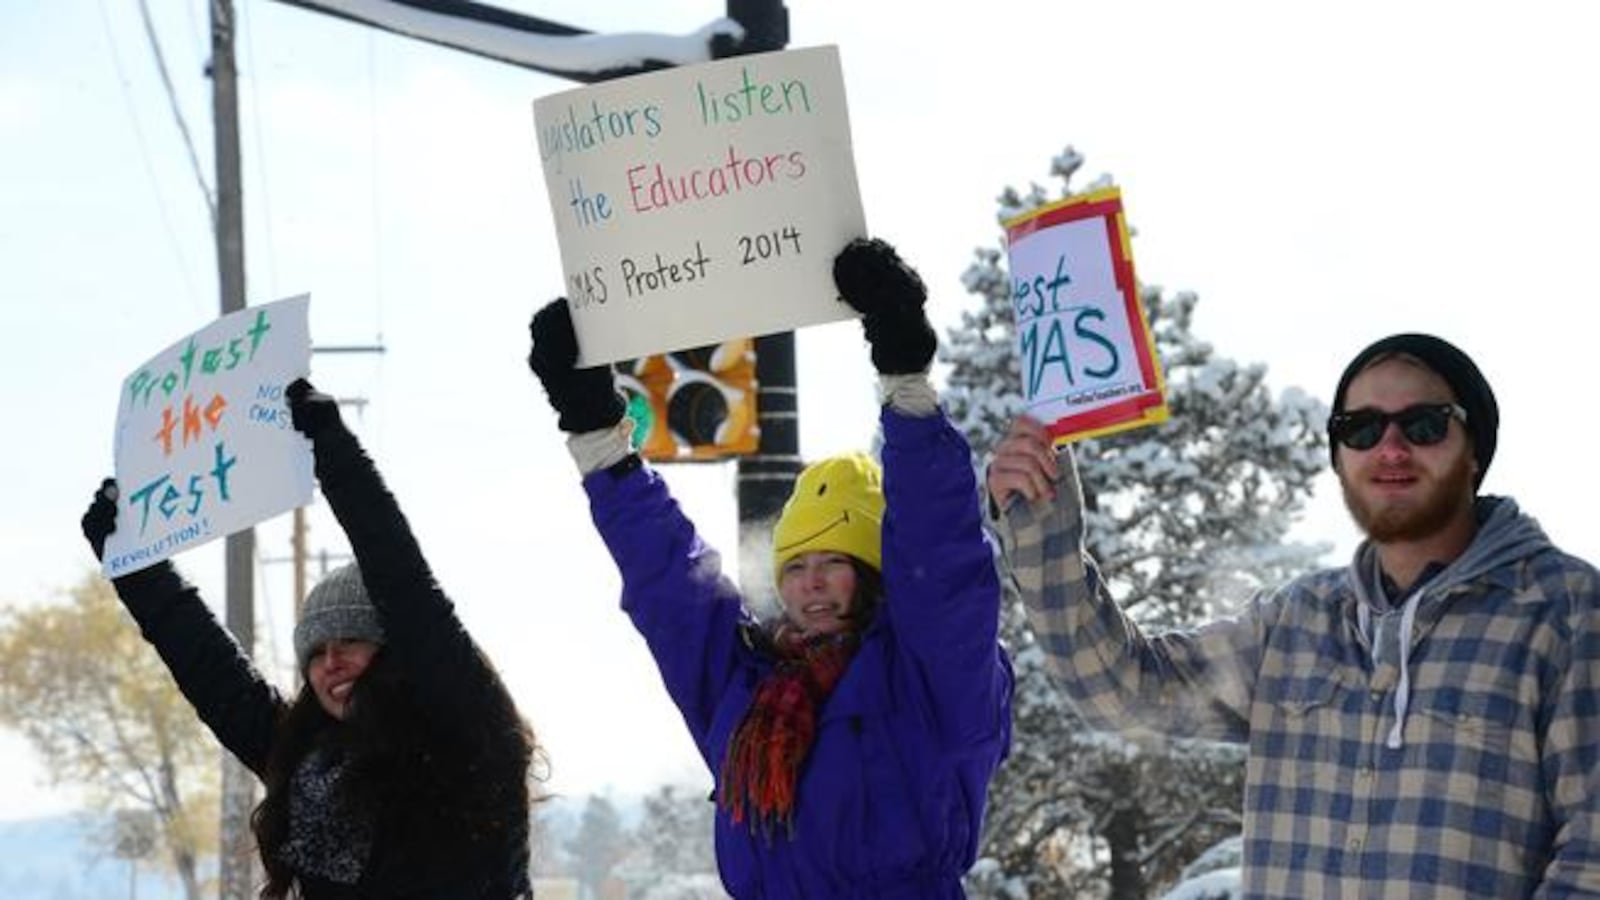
{"points": [[204, 446], [1088, 362], [701, 204]]}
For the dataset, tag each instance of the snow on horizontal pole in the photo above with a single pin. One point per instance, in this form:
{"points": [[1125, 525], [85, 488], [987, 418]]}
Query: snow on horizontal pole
{"points": [[534, 43]]}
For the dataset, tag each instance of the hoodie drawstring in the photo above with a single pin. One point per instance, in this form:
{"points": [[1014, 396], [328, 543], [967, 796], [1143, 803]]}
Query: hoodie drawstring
{"points": [[1402, 691], [1402, 650]]}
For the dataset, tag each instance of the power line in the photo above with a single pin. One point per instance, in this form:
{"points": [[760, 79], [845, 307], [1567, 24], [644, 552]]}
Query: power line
{"points": [[264, 589], [373, 182], [265, 194], [144, 156], [177, 110]]}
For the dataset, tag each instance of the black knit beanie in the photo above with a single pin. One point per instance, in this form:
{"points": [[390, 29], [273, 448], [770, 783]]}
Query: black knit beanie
{"points": [[1457, 370]]}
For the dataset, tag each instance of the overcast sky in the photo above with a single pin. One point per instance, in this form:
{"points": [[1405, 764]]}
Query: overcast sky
{"points": [[1321, 174]]}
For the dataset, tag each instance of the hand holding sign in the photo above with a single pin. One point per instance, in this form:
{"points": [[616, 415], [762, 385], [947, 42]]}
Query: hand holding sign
{"points": [[585, 399], [101, 518], [312, 412], [1023, 464], [889, 295]]}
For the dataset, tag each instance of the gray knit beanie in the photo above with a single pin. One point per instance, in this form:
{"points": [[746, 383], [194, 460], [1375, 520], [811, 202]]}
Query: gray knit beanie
{"points": [[336, 609]]}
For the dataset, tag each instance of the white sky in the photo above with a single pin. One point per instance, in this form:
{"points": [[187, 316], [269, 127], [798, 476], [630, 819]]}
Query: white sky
{"points": [[1321, 174]]}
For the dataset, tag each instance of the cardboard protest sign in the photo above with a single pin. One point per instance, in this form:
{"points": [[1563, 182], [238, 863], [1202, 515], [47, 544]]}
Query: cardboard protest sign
{"points": [[703, 203], [204, 446], [1088, 361]]}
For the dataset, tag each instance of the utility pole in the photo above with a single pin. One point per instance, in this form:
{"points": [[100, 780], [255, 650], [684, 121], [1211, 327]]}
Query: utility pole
{"points": [[297, 546], [238, 784], [767, 477], [298, 554], [300, 557]]}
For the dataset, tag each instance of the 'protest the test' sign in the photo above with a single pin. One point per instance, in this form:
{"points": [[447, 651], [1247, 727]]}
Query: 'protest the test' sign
{"points": [[1088, 361], [204, 445], [703, 203]]}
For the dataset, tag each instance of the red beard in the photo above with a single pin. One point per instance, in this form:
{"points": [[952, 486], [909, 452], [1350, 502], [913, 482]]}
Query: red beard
{"points": [[1387, 521]]}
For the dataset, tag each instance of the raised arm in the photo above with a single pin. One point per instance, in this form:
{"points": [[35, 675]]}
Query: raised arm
{"points": [[421, 629], [1193, 683], [942, 591], [219, 681], [672, 583], [673, 590], [939, 575]]}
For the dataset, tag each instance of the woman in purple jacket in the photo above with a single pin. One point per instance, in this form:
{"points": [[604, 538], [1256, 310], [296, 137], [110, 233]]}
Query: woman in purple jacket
{"points": [[853, 739]]}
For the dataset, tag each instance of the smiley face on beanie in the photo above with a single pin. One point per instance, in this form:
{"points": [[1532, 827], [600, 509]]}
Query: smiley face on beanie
{"points": [[837, 506]]}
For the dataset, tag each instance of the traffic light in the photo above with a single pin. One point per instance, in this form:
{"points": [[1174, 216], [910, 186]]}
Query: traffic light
{"points": [[693, 405]]}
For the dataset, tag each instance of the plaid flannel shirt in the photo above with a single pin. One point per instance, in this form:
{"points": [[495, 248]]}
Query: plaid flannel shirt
{"points": [[1490, 789]]}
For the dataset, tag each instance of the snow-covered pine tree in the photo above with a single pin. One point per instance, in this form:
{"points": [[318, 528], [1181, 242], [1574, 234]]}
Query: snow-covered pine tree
{"points": [[600, 843], [1186, 519], [674, 835]]}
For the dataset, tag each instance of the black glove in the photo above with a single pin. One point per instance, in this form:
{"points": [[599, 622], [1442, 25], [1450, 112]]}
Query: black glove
{"points": [[889, 294], [585, 399], [312, 412], [101, 517]]}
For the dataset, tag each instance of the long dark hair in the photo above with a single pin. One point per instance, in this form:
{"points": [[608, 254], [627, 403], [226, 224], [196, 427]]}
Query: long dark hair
{"points": [[441, 793], [299, 726], [868, 596]]}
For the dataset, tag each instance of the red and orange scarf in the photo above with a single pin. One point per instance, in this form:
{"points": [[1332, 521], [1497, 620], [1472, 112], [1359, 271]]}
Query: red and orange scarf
{"points": [[762, 765]]}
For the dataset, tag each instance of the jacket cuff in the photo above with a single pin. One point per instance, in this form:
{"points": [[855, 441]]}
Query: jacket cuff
{"points": [[601, 448], [911, 395]]}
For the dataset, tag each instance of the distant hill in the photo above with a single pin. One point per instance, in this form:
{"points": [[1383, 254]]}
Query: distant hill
{"points": [[56, 858]]}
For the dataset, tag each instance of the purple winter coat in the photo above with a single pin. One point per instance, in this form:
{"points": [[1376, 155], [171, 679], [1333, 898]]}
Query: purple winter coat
{"points": [[890, 800]]}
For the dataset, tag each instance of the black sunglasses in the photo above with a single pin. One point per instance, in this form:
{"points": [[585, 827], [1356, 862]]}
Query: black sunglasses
{"points": [[1423, 425]]}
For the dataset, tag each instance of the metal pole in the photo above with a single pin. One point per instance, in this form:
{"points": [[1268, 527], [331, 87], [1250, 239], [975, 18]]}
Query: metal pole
{"points": [[238, 785], [297, 542], [767, 477]]}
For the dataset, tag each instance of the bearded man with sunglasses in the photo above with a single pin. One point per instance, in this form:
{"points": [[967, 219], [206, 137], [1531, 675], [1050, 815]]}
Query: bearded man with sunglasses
{"points": [[1424, 722]]}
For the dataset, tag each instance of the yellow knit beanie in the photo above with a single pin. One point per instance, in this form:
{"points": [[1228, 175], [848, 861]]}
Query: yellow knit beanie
{"points": [[837, 506]]}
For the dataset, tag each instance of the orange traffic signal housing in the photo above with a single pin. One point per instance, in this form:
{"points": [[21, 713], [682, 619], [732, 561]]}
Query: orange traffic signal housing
{"points": [[693, 405]]}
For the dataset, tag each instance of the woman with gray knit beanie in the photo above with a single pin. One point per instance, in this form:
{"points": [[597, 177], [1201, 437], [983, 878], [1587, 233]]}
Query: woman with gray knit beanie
{"points": [[401, 768]]}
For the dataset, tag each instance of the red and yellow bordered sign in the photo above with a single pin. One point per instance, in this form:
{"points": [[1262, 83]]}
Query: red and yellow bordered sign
{"points": [[1088, 360]]}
